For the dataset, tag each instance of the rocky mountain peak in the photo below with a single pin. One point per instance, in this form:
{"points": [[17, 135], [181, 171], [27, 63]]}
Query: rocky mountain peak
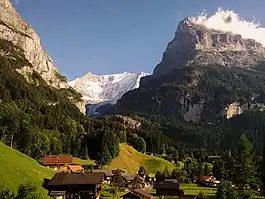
{"points": [[195, 43], [21, 34]]}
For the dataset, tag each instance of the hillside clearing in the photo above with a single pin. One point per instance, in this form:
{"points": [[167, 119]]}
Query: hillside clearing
{"points": [[130, 160], [17, 168]]}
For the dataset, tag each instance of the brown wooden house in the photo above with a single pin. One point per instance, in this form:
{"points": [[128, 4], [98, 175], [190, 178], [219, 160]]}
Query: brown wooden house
{"points": [[75, 185], [57, 161], [168, 188], [138, 194]]}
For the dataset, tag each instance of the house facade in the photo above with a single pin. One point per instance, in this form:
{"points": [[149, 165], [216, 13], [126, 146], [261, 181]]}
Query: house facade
{"points": [[75, 185]]}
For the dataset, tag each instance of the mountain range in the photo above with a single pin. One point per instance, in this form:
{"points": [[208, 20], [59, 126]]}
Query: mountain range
{"points": [[205, 91], [98, 91]]}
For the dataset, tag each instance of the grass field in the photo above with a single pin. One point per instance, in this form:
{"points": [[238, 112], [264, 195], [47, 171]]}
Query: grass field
{"points": [[194, 189], [130, 160], [17, 168], [83, 162]]}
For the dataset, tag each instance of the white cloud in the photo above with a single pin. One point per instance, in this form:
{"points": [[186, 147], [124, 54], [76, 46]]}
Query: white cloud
{"points": [[230, 21]]}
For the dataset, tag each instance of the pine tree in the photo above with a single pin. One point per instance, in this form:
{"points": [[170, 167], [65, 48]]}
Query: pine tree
{"points": [[262, 173], [226, 191], [104, 157], [206, 169], [245, 172], [166, 173], [200, 171]]}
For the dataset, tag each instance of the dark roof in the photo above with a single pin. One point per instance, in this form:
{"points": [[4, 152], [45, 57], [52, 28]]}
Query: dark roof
{"points": [[128, 176], [140, 193], [166, 185], [57, 159], [76, 178], [108, 173], [170, 181]]}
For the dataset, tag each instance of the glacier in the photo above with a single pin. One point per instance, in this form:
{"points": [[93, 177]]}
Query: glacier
{"points": [[100, 90]]}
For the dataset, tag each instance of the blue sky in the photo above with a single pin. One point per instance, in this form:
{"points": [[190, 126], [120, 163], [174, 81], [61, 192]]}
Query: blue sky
{"points": [[113, 36]]}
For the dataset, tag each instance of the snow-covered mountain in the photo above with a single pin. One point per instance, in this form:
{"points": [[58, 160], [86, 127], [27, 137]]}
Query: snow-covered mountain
{"points": [[99, 90]]}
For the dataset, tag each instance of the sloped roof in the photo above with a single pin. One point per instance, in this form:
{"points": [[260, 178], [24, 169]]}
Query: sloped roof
{"points": [[128, 176], [141, 192], [208, 178], [76, 179], [107, 172], [167, 185], [57, 159]]}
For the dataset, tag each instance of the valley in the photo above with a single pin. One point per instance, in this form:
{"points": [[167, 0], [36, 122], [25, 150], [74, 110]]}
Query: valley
{"points": [[194, 128]]}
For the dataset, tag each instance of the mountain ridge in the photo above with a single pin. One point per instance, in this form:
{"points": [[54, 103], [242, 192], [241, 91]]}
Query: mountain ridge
{"points": [[100, 90], [196, 44]]}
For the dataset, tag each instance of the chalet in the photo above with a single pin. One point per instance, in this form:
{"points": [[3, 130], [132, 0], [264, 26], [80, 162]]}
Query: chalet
{"points": [[57, 161], [107, 173], [210, 181], [71, 168], [75, 185], [168, 188], [130, 177], [138, 194]]}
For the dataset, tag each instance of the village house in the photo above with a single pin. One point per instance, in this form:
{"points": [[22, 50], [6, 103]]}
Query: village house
{"points": [[108, 174], [56, 161], [75, 185], [71, 168], [169, 187], [138, 194], [210, 181]]}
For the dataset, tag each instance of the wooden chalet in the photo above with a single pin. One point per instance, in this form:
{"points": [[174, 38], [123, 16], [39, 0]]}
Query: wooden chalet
{"points": [[138, 194], [75, 185], [57, 161], [108, 174], [169, 187]]}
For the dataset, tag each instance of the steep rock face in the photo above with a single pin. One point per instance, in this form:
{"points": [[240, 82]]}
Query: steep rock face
{"points": [[99, 91], [14, 29], [196, 44], [204, 74]]}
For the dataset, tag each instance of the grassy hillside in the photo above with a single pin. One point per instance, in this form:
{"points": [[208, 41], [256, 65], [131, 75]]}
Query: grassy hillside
{"points": [[17, 168], [131, 160], [83, 162]]}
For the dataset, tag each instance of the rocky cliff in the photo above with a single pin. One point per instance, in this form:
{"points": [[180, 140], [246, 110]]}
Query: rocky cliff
{"points": [[14, 29], [196, 44], [22, 35], [204, 74]]}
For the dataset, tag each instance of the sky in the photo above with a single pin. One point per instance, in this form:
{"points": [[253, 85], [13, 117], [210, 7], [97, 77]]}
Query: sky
{"points": [[114, 36]]}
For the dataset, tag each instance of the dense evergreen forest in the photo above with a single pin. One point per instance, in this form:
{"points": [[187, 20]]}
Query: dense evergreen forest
{"points": [[161, 103], [38, 119]]}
